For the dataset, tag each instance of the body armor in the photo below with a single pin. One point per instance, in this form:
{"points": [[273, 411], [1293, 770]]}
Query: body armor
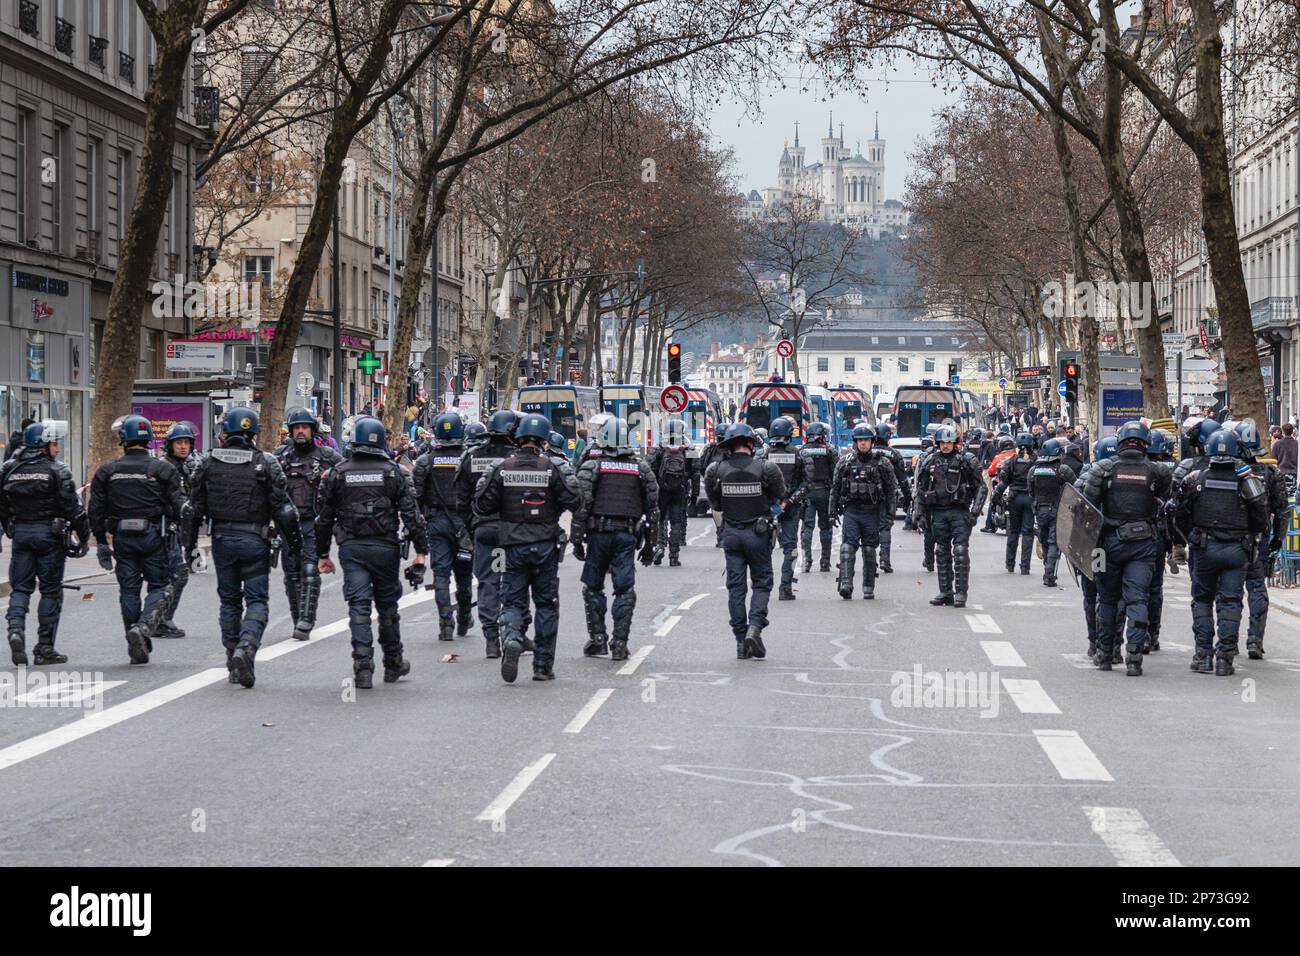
{"points": [[1220, 507], [32, 489], [526, 496], [1047, 484], [860, 483], [945, 490], [784, 458], [819, 465], [236, 483], [439, 491], [368, 505], [133, 489], [1129, 492], [618, 489], [741, 479], [302, 476]]}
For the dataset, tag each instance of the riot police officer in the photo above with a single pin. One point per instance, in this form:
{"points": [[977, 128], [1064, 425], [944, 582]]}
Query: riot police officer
{"points": [[475, 435], [434, 479], [1222, 509], [38, 508], [746, 493], [928, 449], [946, 491], [1107, 447], [1005, 449], [129, 497], [619, 497], [1267, 545], [361, 500], [1013, 487], [527, 493], [818, 465], [791, 466], [862, 482], [888, 508], [1047, 477], [676, 474], [1159, 451], [241, 490], [1128, 489], [555, 450], [475, 464], [304, 464], [178, 445]]}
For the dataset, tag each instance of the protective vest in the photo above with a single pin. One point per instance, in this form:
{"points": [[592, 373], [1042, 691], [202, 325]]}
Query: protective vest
{"points": [[31, 488], [1219, 506], [439, 491], [368, 497], [1018, 479], [134, 490], [237, 486], [820, 465], [1048, 482], [784, 458], [743, 499], [185, 467], [526, 496], [303, 473], [860, 483], [945, 487], [1129, 491], [484, 457], [618, 488]]}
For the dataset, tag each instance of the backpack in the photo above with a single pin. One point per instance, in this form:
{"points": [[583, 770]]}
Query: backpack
{"points": [[672, 471]]}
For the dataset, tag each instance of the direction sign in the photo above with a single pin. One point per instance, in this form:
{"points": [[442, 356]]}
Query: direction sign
{"points": [[1033, 371], [954, 380], [785, 348], [1060, 388], [674, 399], [1002, 384], [1174, 341]]}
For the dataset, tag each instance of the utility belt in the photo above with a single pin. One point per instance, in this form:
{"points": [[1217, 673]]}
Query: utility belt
{"points": [[135, 525], [607, 524], [262, 531], [762, 525], [1130, 531], [1200, 537]]}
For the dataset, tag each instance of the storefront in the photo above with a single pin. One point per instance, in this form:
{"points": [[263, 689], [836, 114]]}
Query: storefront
{"points": [[45, 355]]}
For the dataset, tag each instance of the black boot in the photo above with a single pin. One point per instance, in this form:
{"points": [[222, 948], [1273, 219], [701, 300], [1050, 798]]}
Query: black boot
{"points": [[1024, 569], [742, 653], [543, 672], [1255, 650], [885, 566], [618, 651], [136, 646], [242, 662], [1134, 665], [959, 599], [1092, 651], [1202, 662], [597, 646], [510, 652], [170, 631], [18, 645], [928, 564], [1104, 658], [395, 668], [1011, 567], [231, 678], [673, 560], [446, 628], [826, 563], [786, 593], [1049, 581], [1223, 666], [363, 674], [493, 647], [941, 600], [464, 619], [46, 654], [754, 643], [845, 583]]}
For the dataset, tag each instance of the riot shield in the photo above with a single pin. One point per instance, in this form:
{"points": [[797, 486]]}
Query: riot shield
{"points": [[1078, 526]]}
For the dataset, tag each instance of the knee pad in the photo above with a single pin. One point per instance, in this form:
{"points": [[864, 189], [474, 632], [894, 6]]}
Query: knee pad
{"points": [[389, 618], [257, 615], [356, 617]]}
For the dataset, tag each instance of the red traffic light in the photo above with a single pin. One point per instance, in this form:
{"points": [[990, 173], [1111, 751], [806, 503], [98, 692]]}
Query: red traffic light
{"points": [[1071, 370], [674, 350]]}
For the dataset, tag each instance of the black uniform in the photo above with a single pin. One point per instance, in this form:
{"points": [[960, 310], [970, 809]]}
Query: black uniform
{"points": [[1046, 480], [791, 464], [1013, 480], [889, 508], [945, 490], [859, 488], [747, 491], [488, 569], [360, 502], [677, 476], [177, 567], [1267, 546], [304, 465], [242, 492], [527, 493], [1222, 509], [818, 462], [38, 507], [618, 491], [129, 498], [919, 464], [1128, 489], [451, 550]]}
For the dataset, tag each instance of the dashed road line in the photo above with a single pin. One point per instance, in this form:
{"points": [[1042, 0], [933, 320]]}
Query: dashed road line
{"points": [[1072, 758], [1128, 836], [635, 660], [438, 862], [667, 626], [983, 624], [691, 602], [1002, 654], [1029, 696], [495, 810], [588, 710]]}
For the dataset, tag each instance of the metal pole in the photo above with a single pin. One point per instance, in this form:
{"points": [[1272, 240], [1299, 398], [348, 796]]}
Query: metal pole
{"points": [[436, 371], [391, 305], [1178, 370], [336, 400]]}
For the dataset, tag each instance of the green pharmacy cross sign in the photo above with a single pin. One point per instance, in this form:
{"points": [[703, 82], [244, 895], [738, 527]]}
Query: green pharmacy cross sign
{"points": [[369, 363]]}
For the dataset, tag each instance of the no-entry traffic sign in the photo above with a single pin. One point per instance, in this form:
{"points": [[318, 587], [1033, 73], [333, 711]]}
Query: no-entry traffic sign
{"points": [[785, 348], [674, 399]]}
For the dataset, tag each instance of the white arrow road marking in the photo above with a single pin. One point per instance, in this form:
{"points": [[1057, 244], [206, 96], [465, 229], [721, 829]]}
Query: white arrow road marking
{"points": [[983, 624], [667, 626], [495, 810], [1127, 835], [1029, 696], [691, 602], [1072, 758], [635, 660], [588, 710], [1002, 654]]}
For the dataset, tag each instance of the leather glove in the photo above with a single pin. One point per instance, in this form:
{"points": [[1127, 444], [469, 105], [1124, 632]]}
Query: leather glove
{"points": [[105, 555], [647, 554], [580, 549]]}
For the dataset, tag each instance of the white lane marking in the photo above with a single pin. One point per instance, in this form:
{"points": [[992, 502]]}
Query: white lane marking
{"points": [[588, 710], [1081, 661], [1072, 758], [1002, 654], [1038, 604], [668, 625], [438, 862], [702, 534], [635, 660], [691, 602], [1127, 835], [495, 810], [1029, 696], [112, 716], [983, 624]]}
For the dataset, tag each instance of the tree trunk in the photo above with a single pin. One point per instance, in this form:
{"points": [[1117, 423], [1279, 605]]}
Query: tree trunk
{"points": [[419, 244]]}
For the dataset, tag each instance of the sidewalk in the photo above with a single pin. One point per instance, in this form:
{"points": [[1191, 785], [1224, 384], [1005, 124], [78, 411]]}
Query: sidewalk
{"points": [[80, 569]]}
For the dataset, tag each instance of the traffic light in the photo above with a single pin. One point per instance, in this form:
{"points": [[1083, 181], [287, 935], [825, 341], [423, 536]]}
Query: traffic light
{"points": [[952, 372], [1070, 374], [674, 362]]}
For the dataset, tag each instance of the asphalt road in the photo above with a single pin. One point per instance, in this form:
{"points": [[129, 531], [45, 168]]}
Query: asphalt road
{"points": [[682, 756]]}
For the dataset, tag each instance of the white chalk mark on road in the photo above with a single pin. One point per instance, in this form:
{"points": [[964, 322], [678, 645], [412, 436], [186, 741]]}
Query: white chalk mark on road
{"points": [[495, 810], [1072, 758], [588, 710], [635, 660], [1127, 835], [1002, 654]]}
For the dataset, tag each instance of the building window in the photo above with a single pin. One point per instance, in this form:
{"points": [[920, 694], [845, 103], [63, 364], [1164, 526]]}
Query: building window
{"points": [[57, 187], [823, 364], [902, 340], [929, 340], [903, 364], [149, 364], [929, 363], [124, 192], [983, 365], [875, 340], [877, 364], [256, 73], [258, 269], [850, 364], [22, 159]]}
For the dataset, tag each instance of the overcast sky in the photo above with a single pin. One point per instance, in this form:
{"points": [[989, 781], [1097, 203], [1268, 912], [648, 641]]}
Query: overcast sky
{"points": [[905, 104]]}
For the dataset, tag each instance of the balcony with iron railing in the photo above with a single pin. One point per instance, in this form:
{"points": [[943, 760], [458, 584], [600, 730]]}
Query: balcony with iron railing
{"points": [[126, 67], [64, 32], [29, 17], [1272, 313], [97, 51]]}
